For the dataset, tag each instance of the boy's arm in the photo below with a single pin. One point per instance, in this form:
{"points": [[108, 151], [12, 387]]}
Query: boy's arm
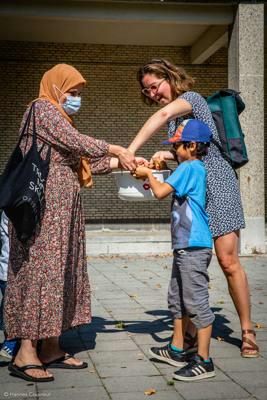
{"points": [[160, 189]]}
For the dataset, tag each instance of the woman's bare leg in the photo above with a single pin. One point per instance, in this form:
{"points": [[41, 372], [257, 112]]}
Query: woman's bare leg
{"points": [[226, 248], [51, 351]]}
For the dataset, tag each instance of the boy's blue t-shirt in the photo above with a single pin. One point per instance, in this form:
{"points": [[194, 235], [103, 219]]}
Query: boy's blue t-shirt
{"points": [[189, 223]]}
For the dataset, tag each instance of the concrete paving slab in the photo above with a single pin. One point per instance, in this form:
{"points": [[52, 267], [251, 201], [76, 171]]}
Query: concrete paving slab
{"points": [[111, 336], [117, 345], [159, 395], [260, 393], [116, 358], [249, 380], [131, 384], [17, 389], [74, 379], [119, 363], [88, 393], [253, 365], [139, 368], [211, 390]]}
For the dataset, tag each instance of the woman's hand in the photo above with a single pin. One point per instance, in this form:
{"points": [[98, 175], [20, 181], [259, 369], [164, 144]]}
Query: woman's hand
{"points": [[161, 156], [126, 158]]}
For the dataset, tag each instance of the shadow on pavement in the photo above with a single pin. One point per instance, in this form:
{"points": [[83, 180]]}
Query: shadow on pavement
{"points": [[222, 330], [83, 338]]}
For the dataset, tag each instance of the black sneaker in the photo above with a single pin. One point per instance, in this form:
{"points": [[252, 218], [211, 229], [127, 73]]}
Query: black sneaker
{"points": [[167, 355], [196, 369]]}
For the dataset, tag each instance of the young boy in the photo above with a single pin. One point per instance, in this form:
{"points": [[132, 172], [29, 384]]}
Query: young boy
{"points": [[192, 250]]}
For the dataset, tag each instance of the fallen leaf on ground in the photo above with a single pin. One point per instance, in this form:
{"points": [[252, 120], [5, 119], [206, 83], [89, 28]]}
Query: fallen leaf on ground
{"points": [[258, 326], [92, 371], [149, 392], [125, 266], [158, 285], [120, 325], [133, 296], [220, 302]]}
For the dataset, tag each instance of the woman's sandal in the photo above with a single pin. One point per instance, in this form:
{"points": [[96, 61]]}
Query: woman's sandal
{"points": [[191, 342], [251, 350], [20, 373], [60, 363]]}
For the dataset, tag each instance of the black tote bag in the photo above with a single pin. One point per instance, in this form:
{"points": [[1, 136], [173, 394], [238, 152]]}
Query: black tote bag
{"points": [[22, 184]]}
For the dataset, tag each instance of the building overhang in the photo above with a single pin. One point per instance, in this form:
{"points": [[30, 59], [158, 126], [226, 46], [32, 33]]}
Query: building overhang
{"points": [[203, 27]]}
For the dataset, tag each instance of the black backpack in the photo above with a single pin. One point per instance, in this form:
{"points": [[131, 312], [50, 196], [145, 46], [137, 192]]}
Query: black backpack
{"points": [[225, 106]]}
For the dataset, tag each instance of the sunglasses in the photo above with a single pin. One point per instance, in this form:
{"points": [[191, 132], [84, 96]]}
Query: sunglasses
{"points": [[152, 89]]}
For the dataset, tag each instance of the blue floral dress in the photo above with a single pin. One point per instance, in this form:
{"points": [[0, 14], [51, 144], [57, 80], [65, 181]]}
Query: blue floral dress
{"points": [[223, 203]]}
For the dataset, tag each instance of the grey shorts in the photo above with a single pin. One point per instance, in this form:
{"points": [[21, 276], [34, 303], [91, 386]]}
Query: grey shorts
{"points": [[188, 288]]}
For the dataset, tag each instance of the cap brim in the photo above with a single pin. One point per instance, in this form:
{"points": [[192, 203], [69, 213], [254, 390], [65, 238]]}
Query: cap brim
{"points": [[166, 142]]}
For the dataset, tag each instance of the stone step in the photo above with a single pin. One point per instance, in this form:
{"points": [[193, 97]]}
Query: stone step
{"points": [[127, 242]]}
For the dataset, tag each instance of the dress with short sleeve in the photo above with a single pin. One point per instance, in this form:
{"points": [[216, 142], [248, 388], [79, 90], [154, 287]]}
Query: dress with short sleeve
{"points": [[223, 203]]}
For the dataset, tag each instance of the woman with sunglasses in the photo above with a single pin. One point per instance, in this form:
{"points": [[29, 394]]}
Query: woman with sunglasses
{"points": [[169, 86]]}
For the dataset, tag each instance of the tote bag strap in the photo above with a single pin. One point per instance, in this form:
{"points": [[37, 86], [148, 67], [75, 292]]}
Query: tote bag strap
{"points": [[25, 129], [48, 153]]}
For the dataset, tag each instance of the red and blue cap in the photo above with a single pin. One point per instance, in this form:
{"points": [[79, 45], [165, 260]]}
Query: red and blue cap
{"points": [[191, 130]]}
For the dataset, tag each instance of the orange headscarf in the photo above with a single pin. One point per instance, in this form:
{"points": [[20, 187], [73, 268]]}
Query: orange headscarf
{"points": [[62, 78]]}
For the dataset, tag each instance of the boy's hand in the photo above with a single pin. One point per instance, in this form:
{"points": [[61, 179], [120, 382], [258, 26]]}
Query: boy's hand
{"points": [[141, 172], [161, 156], [142, 161]]}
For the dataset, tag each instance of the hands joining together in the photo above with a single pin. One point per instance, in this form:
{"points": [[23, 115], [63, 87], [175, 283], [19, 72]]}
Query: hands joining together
{"points": [[140, 167]]}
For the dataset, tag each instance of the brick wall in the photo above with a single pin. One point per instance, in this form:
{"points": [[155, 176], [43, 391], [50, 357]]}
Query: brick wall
{"points": [[111, 109]]}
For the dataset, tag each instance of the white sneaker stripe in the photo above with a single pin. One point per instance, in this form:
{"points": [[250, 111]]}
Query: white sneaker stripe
{"points": [[198, 370], [166, 354]]}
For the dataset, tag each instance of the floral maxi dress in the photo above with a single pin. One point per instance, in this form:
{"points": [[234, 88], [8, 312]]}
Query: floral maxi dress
{"points": [[48, 287]]}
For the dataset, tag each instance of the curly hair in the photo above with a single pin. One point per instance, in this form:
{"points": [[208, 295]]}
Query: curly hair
{"points": [[180, 82]]}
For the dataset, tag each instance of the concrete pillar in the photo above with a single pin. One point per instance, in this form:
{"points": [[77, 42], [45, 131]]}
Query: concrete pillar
{"points": [[246, 74]]}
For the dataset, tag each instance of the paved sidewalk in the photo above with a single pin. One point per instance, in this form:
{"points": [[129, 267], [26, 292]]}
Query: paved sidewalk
{"points": [[130, 315]]}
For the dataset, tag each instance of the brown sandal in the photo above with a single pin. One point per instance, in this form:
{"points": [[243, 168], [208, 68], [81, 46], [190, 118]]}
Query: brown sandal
{"points": [[252, 350]]}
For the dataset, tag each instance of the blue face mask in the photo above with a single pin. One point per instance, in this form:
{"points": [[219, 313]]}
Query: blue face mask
{"points": [[72, 104]]}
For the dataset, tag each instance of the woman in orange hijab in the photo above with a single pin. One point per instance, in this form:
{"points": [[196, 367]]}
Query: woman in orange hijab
{"points": [[48, 288]]}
